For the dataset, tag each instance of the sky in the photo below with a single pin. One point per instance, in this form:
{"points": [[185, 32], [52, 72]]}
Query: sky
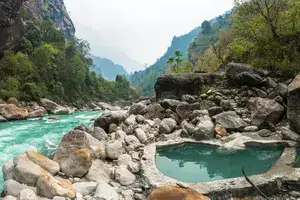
{"points": [[142, 29]]}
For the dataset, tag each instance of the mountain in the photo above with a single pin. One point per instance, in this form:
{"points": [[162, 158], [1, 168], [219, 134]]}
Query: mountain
{"points": [[145, 80], [107, 68]]}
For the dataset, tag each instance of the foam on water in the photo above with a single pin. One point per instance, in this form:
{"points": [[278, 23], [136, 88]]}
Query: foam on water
{"points": [[37, 134]]}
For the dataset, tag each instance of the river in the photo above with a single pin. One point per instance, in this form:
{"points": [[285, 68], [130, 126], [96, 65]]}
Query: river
{"points": [[43, 135]]}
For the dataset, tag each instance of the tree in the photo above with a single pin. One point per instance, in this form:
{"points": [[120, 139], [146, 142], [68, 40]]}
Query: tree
{"points": [[206, 28]]}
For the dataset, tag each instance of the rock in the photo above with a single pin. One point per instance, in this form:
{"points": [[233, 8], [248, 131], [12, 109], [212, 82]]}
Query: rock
{"points": [[155, 111], [198, 113], [7, 170], [190, 128], [120, 135], [44, 162], [293, 104], [27, 194], [85, 188], [48, 186], [8, 197], [14, 101], [230, 120], [264, 111], [138, 109], [215, 110], [264, 133], [173, 115], [261, 93], [130, 120], [167, 125], [175, 86], [2, 119], [114, 149], [110, 117], [112, 128], [97, 147], [183, 110], [271, 82], [124, 159], [12, 112], [99, 133], [226, 105], [204, 129], [141, 135], [206, 104], [220, 131], [282, 90], [105, 192], [288, 134], [170, 104], [99, 172], [38, 113], [140, 119], [178, 193], [133, 167], [26, 171], [13, 188], [251, 129], [124, 176], [131, 140], [189, 98], [54, 108]]}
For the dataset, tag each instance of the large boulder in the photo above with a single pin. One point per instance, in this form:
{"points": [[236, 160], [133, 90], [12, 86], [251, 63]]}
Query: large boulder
{"points": [[12, 112], [13, 188], [114, 149], [99, 172], [124, 176], [155, 111], [178, 193], [44, 162], [170, 104], [138, 108], [265, 111], [75, 149], [2, 119], [230, 120], [41, 112], [175, 86], [204, 129], [167, 125], [183, 110], [48, 186], [111, 117], [27, 194], [54, 108], [85, 188], [105, 192], [293, 104]]}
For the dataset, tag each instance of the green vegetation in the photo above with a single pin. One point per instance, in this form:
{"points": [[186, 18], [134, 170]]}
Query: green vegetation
{"points": [[178, 65], [45, 64]]}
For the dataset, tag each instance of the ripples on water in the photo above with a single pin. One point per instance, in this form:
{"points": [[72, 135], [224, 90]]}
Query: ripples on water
{"points": [[41, 135]]}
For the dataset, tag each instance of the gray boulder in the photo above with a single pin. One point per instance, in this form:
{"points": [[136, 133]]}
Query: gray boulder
{"points": [[230, 120], [167, 125], [124, 176], [114, 149], [138, 108], [155, 111], [54, 108], [7, 170], [132, 141], [105, 192], [141, 135], [99, 172], [170, 104], [13, 188], [288, 134], [130, 120], [85, 188], [265, 111], [204, 129], [27, 194], [111, 117], [293, 104], [206, 104], [124, 159], [99, 133], [183, 110]]}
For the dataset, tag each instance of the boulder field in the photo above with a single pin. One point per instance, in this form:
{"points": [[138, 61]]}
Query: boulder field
{"points": [[104, 162]]}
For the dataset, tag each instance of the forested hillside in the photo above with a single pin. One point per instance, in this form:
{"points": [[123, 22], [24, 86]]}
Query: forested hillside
{"points": [[107, 68]]}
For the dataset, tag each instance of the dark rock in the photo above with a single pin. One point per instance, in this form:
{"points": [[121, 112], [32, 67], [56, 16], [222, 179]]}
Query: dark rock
{"points": [[189, 98], [282, 90], [265, 111], [226, 105], [271, 82], [155, 111], [264, 133], [215, 110], [170, 104], [175, 86], [183, 110], [138, 108], [293, 104], [110, 117], [206, 104]]}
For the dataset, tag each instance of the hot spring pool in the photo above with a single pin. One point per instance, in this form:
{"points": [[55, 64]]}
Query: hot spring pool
{"points": [[193, 163]]}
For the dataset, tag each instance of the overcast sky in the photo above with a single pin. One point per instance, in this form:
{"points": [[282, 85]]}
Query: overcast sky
{"points": [[143, 29]]}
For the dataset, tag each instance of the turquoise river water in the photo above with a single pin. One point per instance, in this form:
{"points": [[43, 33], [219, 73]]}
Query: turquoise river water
{"points": [[43, 135], [193, 163]]}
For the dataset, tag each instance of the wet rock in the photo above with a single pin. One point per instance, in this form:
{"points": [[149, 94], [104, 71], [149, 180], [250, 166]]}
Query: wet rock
{"points": [[99, 133], [183, 110], [170, 104], [27, 194], [265, 111], [12, 112], [78, 163], [167, 125], [99, 172], [230, 120], [204, 129], [48, 186], [124, 176], [85, 188], [54, 108], [13, 188], [288, 134], [114, 149], [293, 104], [44, 162], [178, 193], [215, 110], [105, 192], [26, 171], [138, 108], [155, 111], [124, 159], [111, 117]]}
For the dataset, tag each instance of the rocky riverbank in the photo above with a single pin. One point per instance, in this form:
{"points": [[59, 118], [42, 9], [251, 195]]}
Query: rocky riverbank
{"points": [[107, 161]]}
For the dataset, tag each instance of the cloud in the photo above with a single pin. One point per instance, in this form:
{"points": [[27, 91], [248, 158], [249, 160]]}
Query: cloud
{"points": [[143, 29]]}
